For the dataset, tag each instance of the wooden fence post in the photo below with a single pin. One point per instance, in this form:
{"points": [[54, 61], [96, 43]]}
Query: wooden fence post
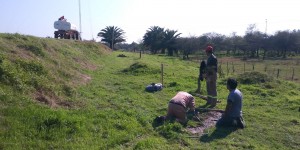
{"points": [[253, 66], [227, 69], [162, 74], [266, 68], [232, 67], [140, 53], [293, 74], [244, 67], [278, 73]]}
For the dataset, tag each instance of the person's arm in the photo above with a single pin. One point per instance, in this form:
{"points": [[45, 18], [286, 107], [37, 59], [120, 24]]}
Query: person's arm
{"points": [[192, 105], [228, 107]]}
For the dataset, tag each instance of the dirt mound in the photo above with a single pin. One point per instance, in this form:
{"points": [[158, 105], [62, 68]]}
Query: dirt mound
{"points": [[209, 120]]}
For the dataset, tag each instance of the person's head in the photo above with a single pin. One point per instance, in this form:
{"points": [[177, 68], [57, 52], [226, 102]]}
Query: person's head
{"points": [[209, 50], [231, 83]]}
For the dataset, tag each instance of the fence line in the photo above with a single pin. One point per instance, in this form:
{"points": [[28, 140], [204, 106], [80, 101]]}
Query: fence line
{"points": [[277, 71]]}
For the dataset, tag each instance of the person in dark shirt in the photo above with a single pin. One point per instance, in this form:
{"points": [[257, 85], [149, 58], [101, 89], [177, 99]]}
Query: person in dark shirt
{"points": [[211, 77], [232, 115]]}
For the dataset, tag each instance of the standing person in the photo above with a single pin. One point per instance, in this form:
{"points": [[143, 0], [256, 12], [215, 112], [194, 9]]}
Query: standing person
{"points": [[232, 115], [178, 106], [211, 77]]}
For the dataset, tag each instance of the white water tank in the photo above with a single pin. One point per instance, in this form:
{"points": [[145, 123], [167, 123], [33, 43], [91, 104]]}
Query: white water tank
{"points": [[64, 25]]}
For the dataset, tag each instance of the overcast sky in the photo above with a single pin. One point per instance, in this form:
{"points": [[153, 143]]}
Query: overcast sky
{"points": [[189, 17]]}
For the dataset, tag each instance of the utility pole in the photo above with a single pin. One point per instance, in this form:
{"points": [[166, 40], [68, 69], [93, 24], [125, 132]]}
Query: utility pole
{"points": [[80, 20], [266, 26]]}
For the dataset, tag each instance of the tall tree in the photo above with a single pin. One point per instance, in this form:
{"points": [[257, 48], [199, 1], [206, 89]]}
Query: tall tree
{"points": [[284, 40], [153, 38], [215, 39], [112, 35], [169, 41], [188, 46], [254, 40]]}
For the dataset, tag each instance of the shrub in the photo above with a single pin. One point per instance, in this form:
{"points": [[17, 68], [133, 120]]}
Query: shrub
{"points": [[140, 68], [253, 78]]}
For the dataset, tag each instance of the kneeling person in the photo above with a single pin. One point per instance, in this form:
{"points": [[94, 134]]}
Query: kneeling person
{"points": [[233, 113], [178, 106]]}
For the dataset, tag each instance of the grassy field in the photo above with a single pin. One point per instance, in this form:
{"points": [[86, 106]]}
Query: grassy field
{"points": [[60, 94]]}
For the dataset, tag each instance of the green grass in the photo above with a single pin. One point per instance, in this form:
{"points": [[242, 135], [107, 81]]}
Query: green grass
{"points": [[111, 110]]}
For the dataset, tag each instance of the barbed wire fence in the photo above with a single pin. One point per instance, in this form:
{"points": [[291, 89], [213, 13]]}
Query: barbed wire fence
{"points": [[279, 71]]}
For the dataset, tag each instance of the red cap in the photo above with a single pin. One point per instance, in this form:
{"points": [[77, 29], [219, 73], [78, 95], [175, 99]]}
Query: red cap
{"points": [[209, 49]]}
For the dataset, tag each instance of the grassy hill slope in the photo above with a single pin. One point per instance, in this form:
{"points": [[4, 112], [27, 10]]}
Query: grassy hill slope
{"points": [[62, 94]]}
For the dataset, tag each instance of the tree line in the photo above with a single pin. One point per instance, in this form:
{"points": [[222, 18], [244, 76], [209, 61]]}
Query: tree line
{"points": [[253, 44]]}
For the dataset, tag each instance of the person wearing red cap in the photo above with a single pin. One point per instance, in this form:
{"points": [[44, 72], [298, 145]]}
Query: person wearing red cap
{"points": [[211, 77]]}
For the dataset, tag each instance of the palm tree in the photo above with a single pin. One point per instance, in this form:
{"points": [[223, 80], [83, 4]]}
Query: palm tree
{"points": [[169, 41], [112, 35], [153, 38]]}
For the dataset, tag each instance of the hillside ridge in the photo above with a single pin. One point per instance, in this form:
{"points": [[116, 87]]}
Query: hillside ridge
{"points": [[47, 69]]}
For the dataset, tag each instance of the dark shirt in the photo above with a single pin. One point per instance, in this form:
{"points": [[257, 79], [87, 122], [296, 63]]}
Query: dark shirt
{"points": [[212, 63]]}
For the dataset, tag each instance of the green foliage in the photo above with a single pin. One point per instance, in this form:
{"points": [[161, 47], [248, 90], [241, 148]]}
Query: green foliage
{"points": [[31, 67], [15, 37], [170, 130], [139, 69], [253, 78], [112, 35], [99, 104], [149, 143], [35, 49]]}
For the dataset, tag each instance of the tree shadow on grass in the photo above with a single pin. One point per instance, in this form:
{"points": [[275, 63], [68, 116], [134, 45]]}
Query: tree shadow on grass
{"points": [[219, 133]]}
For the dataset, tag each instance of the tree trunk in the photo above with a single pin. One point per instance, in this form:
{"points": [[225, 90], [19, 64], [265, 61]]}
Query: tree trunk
{"points": [[170, 52], [284, 53], [264, 54], [234, 50]]}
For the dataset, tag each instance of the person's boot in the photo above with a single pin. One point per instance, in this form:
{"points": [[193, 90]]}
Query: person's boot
{"points": [[213, 103]]}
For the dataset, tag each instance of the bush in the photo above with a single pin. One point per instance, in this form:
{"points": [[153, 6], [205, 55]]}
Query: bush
{"points": [[253, 78], [140, 68]]}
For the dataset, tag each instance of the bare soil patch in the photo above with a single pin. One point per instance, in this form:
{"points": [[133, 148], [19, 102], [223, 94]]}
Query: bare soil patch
{"points": [[85, 78], [208, 120], [50, 99], [85, 64]]}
